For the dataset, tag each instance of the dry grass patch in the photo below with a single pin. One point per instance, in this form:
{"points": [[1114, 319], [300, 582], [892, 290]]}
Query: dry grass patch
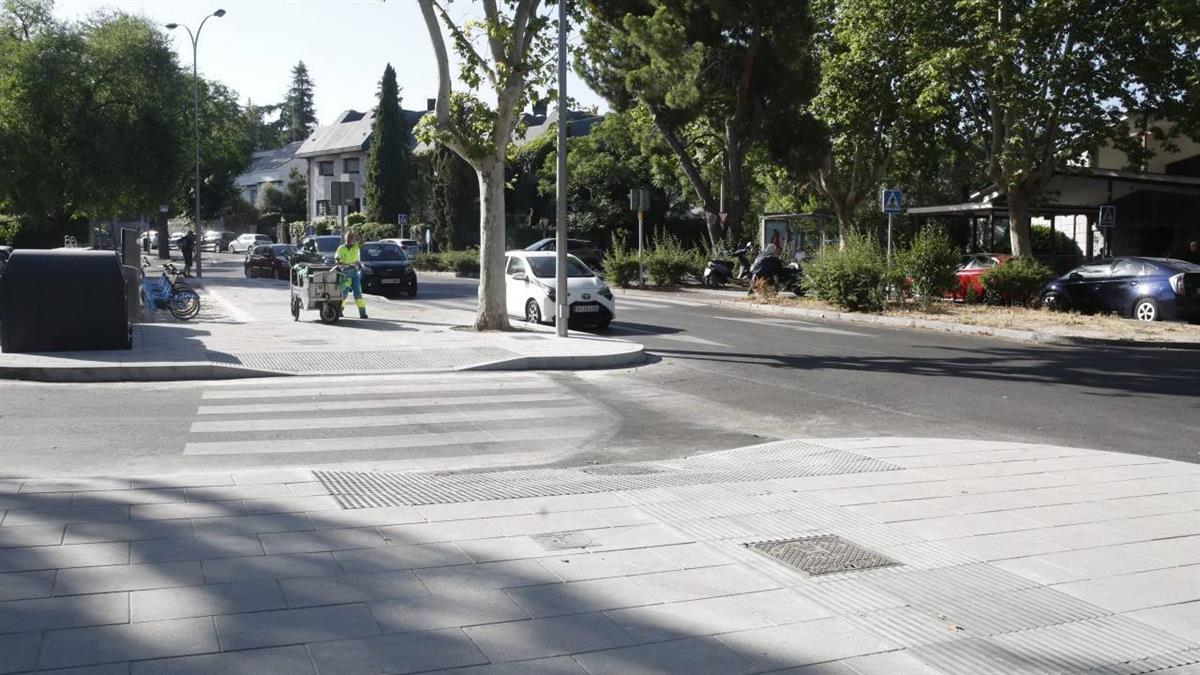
{"points": [[1065, 324]]}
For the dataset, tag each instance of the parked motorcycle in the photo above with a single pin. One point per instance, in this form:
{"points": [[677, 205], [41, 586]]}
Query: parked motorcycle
{"points": [[770, 269], [720, 271]]}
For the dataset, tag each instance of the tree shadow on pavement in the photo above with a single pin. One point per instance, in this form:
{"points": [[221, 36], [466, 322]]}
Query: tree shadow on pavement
{"points": [[1127, 371], [205, 575]]}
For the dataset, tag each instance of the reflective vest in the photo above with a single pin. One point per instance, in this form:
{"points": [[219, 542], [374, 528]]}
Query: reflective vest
{"points": [[347, 255]]}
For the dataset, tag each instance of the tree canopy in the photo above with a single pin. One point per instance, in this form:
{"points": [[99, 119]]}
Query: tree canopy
{"points": [[715, 75], [1043, 82], [93, 120]]}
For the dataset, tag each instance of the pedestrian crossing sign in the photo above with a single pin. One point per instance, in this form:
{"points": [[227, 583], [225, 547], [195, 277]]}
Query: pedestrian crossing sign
{"points": [[1108, 215], [893, 201]]}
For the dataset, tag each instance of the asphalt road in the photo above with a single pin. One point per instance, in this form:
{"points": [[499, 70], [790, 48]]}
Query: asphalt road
{"points": [[717, 379]]}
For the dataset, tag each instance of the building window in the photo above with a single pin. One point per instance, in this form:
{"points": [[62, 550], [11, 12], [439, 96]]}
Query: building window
{"points": [[351, 165], [253, 195], [325, 168], [322, 207]]}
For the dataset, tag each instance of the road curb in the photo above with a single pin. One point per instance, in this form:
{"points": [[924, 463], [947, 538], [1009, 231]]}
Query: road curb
{"points": [[1033, 337], [635, 356], [632, 355], [124, 373]]}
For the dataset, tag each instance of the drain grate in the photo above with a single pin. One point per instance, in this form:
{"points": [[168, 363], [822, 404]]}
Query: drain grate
{"points": [[784, 459], [822, 554], [622, 470]]}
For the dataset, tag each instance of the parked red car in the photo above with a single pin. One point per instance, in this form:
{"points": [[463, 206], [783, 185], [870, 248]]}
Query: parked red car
{"points": [[970, 283]]}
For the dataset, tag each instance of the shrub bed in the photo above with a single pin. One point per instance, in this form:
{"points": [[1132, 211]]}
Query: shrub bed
{"points": [[1017, 282], [620, 264], [669, 263], [929, 264], [854, 278], [462, 263]]}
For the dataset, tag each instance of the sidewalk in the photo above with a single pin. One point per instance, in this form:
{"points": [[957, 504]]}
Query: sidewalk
{"points": [[931, 556], [246, 330]]}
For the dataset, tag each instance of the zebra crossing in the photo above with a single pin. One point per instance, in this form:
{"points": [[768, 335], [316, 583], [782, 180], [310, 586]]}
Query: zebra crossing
{"points": [[396, 417]]}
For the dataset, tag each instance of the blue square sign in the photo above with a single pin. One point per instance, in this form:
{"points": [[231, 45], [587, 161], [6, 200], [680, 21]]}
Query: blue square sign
{"points": [[1108, 215], [893, 201]]}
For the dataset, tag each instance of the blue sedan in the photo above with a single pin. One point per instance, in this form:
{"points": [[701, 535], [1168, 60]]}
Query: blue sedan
{"points": [[1147, 289]]}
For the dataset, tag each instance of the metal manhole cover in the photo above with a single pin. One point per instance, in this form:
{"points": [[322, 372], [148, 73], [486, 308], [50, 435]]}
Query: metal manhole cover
{"points": [[621, 470], [823, 554]]}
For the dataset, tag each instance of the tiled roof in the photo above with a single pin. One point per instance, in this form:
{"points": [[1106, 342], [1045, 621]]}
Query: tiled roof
{"points": [[351, 132]]}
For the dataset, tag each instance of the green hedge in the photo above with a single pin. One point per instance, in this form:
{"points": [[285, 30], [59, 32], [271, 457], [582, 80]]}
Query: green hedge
{"points": [[375, 231], [620, 264], [854, 278], [462, 263], [1017, 282], [930, 264], [9, 226], [668, 263]]}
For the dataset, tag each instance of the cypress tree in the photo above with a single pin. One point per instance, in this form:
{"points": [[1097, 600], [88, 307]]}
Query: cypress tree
{"points": [[386, 188]]}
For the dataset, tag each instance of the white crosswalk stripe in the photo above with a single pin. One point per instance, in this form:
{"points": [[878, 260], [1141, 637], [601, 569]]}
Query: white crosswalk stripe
{"points": [[520, 413], [353, 390], [372, 404], [656, 303], [795, 324], [374, 442]]}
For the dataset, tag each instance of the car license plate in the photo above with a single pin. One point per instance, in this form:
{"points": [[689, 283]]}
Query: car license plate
{"points": [[389, 281], [585, 308]]}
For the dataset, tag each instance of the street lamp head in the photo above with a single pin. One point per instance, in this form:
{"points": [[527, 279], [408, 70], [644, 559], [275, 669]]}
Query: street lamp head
{"points": [[219, 13], [172, 26]]}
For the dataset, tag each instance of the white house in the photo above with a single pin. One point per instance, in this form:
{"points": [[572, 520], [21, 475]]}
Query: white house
{"points": [[269, 167], [337, 153]]}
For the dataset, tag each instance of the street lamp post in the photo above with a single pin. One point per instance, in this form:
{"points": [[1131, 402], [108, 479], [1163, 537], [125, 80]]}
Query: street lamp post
{"points": [[563, 307], [195, 38]]}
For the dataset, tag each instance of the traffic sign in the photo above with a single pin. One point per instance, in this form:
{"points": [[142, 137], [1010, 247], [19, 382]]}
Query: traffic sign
{"points": [[1108, 215], [892, 201], [639, 199], [402, 219]]}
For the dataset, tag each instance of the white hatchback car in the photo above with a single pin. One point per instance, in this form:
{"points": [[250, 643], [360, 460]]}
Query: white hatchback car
{"points": [[245, 242], [410, 246], [530, 285]]}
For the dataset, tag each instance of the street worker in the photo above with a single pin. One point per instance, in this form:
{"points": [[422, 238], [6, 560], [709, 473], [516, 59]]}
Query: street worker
{"points": [[348, 257], [186, 242]]}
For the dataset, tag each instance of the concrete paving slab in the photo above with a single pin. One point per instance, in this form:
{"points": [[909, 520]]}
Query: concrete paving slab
{"points": [[106, 644], [653, 580], [294, 626], [538, 638], [273, 661]]}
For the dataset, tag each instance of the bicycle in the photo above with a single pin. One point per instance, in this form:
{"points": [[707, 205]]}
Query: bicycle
{"points": [[167, 292]]}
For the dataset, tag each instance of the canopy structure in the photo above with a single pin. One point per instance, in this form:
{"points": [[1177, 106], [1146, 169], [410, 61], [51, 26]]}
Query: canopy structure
{"points": [[1157, 214]]}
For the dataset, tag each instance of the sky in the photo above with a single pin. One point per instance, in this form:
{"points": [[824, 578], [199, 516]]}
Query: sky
{"points": [[344, 43]]}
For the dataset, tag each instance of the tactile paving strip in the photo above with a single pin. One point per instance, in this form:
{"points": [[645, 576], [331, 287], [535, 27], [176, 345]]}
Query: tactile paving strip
{"points": [[1109, 645], [785, 459], [621, 470], [822, 554], [320, 362]]}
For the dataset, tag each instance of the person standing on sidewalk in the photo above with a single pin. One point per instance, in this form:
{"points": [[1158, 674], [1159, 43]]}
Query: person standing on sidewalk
{"points": [[186, 242], [348, 257]]}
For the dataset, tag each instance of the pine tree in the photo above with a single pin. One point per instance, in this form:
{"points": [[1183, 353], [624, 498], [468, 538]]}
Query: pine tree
{"points": [[297, 115], [386, 189]]}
